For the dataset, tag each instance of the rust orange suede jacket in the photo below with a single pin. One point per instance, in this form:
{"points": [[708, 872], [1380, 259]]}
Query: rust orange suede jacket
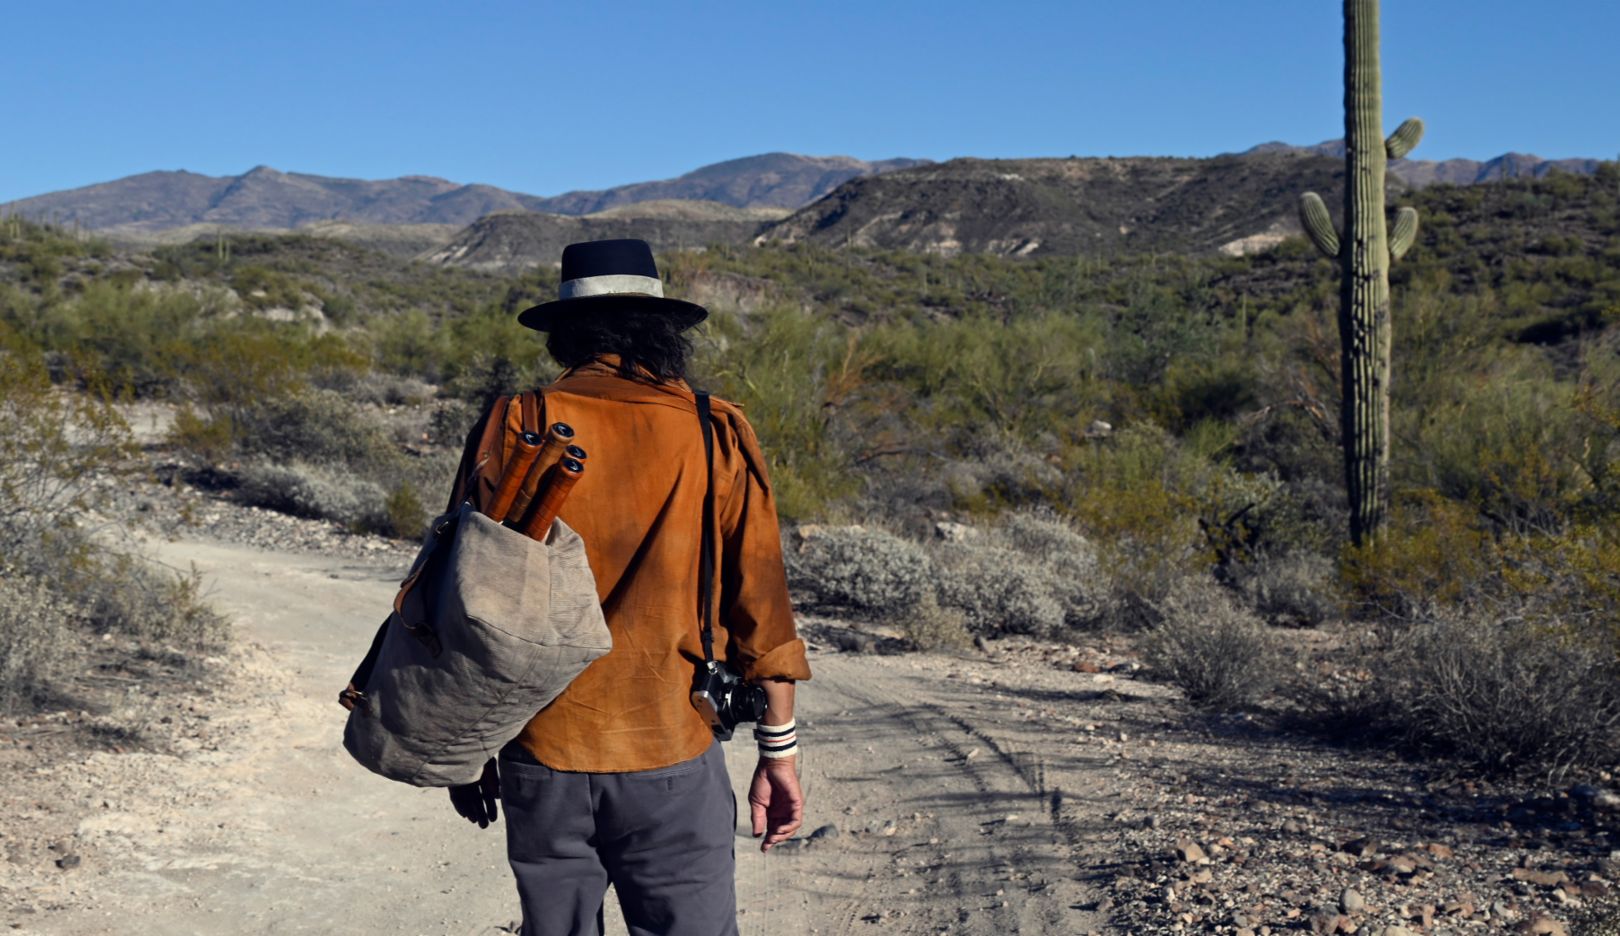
{"points": [[639, 509]]}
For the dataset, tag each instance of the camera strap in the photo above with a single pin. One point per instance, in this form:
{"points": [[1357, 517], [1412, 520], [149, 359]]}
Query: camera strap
{"points": [[706, 559]]}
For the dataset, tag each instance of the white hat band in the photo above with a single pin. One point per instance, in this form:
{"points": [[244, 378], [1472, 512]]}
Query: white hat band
{"points": [[611, 284]]}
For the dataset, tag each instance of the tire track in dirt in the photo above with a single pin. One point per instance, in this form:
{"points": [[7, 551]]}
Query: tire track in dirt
{"points": [[942, 826], [1005, 859]]}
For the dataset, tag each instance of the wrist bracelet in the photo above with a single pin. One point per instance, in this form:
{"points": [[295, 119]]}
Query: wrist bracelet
{"points": [[777, 740]]}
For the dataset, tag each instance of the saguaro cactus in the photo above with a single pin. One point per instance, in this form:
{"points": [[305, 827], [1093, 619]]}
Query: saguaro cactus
{"points": [[1364, 253]]}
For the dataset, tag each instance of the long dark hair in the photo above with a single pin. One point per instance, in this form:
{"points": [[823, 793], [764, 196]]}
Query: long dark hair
{"points": [[646, 342]]}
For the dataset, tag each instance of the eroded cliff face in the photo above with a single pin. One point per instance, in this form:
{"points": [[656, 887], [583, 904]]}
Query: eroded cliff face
{"points": [[1066, 206]]}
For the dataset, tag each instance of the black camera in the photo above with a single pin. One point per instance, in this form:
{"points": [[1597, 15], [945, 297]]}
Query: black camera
{"points": [[724, 700]]}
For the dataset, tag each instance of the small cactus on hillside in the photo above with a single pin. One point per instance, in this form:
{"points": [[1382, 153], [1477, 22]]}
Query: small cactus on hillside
{"points": [[1364, 251]]}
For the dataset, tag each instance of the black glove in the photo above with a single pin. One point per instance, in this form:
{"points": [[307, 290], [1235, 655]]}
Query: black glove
{"points": [[475, 801]]}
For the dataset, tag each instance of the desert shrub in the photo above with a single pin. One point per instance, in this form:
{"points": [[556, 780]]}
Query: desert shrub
{"points": [[403, 512], [316, 426], [1218, 653], [1432, 550], [998, 590], [229, 365], [56, 580], [377, 388], [314, 491], [1501, 693], [128, 594], [36, 639], [450, 422], [862, 568], [1131, 492], [122, 336], [55, 445], [1077, 580], [929, 626], [1295, 589]]}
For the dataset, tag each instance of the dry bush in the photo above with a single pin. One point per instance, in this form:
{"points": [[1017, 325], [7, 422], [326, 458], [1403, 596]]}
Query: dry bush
{"points": [[1077, 579], [1296, 590], [861, 568], [998, 590], [931, 627], [129, 595], [314, 426], [36, 639], [1501, 692], [315, 491], [1218, 653], [378, 388], [57, 581]]}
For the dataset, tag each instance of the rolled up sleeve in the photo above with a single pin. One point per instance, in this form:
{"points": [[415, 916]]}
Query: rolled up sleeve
{"points": [[763, 639]]}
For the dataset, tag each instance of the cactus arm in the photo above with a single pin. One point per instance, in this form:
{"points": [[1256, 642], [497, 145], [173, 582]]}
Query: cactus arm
{"points": [[1313, 214], [1404, 139], [1405, 232]]}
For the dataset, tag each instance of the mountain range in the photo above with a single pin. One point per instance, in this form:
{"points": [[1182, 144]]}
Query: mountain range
{"points": [[1419, 173], [1236, 203], [266, 198]]}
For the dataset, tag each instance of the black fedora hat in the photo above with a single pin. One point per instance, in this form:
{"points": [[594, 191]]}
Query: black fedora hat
{"points": [[609, 276]]}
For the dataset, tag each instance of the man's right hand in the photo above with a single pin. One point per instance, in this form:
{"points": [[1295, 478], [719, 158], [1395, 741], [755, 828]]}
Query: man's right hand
{"points": [[776, 803], [475, 801]]}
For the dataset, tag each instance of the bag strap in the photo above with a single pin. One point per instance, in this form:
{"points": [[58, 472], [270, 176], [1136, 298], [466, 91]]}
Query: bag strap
{"points": [[706, 560], [531, 410]]}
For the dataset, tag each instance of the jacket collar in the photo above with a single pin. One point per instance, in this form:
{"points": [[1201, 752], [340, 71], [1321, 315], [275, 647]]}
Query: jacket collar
{"points": [[607, 365]]}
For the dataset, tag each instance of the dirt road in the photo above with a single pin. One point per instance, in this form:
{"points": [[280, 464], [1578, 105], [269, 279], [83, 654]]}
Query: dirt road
{"points": [[939, 794]]}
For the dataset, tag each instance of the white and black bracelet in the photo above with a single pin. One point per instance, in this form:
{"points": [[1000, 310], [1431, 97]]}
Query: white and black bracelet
{"points": [[777, 740]]}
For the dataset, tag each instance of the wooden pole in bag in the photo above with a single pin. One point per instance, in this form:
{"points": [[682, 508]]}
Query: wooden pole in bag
{"points": [[524, 453], [559, 439], [559, 483]]}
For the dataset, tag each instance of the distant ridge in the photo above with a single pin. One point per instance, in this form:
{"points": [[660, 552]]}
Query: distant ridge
{"points": [[1419, 173], [267, 199], [509, 241], [779, 180]]}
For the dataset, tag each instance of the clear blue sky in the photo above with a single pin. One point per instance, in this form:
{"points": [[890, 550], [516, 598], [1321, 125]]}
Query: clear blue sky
{"points": [[542, 97]]}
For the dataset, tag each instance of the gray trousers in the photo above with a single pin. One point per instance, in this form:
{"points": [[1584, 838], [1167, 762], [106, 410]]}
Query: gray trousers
{"points": [[662, 838]]}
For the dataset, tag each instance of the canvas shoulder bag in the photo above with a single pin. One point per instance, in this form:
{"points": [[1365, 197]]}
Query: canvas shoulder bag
{"points": [[487, 629]]}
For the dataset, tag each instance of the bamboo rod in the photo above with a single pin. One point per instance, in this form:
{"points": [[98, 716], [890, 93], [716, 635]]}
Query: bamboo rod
{"points": [[524, 453], [559, 483]]}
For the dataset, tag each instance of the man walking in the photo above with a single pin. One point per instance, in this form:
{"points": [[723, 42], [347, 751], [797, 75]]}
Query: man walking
{"points": [[620, 780]]}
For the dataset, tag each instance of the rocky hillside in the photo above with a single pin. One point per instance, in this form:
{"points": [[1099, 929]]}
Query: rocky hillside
{"points": [[781, 180], [1419, 173], [1024, 207], [268, 199], [511, 241]]}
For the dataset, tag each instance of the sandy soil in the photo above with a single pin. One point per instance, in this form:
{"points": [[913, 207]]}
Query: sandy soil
{"points": [[1022, 787], [267, 826]]}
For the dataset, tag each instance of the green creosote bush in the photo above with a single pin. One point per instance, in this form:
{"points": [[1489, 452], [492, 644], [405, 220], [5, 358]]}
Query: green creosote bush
{"points": [[796, 373], [864, 569], [1215, 651], [406, 517]]}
